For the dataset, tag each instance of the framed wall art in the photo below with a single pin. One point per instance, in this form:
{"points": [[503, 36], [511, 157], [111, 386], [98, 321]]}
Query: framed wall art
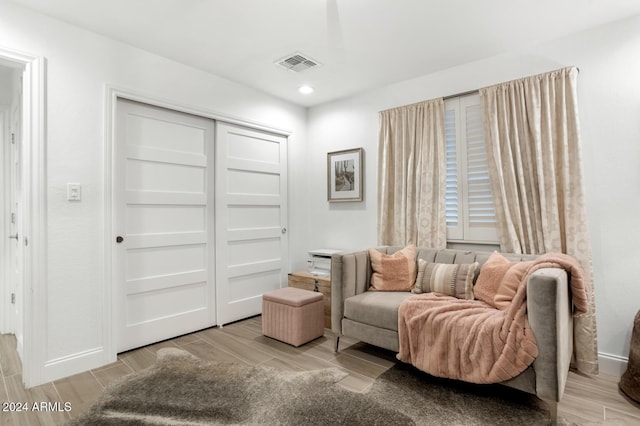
{"points": [[344, 175]]}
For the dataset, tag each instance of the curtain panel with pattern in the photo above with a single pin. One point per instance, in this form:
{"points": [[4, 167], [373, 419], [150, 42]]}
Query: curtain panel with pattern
{"points": [[535, 165], [412, 175]]}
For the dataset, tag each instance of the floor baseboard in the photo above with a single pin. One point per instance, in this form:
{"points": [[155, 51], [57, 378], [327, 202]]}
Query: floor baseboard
{"points": [[612, 365]]}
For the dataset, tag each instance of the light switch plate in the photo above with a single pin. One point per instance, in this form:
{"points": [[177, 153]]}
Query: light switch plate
{"points": [[73, 192]]}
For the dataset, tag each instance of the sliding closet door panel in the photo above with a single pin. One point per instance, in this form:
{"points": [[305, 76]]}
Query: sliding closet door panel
{"points": [[251, 206], [164, 263]]}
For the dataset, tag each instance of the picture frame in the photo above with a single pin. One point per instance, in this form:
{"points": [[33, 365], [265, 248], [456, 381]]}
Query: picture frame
{"points": [[345, 175]]}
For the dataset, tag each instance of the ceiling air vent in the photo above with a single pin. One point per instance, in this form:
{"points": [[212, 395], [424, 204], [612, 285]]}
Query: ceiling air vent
{"points": [[297, 62]]}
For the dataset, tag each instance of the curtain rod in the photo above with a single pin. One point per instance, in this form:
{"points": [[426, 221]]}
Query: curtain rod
{"points": [[469, 92], [473, 92]]}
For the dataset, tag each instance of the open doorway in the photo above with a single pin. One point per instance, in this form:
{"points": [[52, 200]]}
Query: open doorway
{"points": [[23, 218]]}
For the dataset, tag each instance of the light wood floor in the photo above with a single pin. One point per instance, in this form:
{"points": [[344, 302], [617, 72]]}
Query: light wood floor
{"points": [[586, 399]]}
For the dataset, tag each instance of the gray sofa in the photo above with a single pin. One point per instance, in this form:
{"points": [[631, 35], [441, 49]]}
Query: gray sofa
{"points": [[372, 317]]}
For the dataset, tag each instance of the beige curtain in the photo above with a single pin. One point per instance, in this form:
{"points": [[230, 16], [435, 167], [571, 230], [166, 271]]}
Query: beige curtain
{"points": [[535, 165], [412, 175]]}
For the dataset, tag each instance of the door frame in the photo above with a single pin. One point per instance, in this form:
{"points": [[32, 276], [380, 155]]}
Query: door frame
{"points": [[112, 94], [34, 187]]}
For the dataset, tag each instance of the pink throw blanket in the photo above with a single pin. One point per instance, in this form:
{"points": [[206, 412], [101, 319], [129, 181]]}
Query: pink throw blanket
{"points": [[472, 341]]}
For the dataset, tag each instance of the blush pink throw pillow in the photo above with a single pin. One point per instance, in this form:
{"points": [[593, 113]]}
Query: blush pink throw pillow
{"points": [[490, 278], [499, 280], [396, 272]]}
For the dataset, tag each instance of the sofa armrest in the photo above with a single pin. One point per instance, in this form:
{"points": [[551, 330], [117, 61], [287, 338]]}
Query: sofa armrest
{"points": [[350, 275], [550, 318]]}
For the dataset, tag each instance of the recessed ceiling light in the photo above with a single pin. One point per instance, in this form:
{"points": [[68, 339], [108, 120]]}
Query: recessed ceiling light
{"points": [[305, 90]]}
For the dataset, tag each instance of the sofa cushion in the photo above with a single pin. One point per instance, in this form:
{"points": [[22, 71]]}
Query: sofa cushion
{"points": [[379, 309], [451, 279], [396, 272]]}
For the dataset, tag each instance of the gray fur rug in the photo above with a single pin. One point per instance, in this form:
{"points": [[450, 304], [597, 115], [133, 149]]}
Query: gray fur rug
{"points": [[181, 389]]}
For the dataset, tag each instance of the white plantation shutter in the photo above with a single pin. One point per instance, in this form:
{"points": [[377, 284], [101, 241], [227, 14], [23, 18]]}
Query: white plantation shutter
{"points": [[452, 194], [480, 201], [469, 203]]}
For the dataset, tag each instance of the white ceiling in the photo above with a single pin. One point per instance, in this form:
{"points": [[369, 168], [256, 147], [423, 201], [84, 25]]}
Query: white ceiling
{"points": [[361, 44]]}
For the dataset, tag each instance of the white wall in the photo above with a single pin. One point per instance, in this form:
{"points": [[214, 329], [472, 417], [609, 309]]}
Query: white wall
{"points": [[79, 65], [609, 97]]}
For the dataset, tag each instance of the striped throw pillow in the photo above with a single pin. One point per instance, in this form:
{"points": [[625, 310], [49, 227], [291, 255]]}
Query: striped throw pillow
{"points": [[451, 279]]}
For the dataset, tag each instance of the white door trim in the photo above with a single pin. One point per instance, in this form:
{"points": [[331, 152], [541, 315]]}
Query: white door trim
{"points": [[112, 94], [34, 186]]}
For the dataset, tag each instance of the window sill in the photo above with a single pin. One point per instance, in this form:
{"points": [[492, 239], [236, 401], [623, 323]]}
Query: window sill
{"points": [[473, 245]]}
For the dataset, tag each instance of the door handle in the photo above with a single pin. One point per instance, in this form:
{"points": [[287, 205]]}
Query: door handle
{"points": [[284, 230], [13, 237], [119, 239]]}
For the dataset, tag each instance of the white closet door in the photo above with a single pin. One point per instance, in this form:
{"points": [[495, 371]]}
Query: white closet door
{"points": [[164, 223], [251, 219]]}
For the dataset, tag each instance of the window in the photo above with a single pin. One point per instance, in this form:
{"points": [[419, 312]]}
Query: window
{"points": [[469, 202]]}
